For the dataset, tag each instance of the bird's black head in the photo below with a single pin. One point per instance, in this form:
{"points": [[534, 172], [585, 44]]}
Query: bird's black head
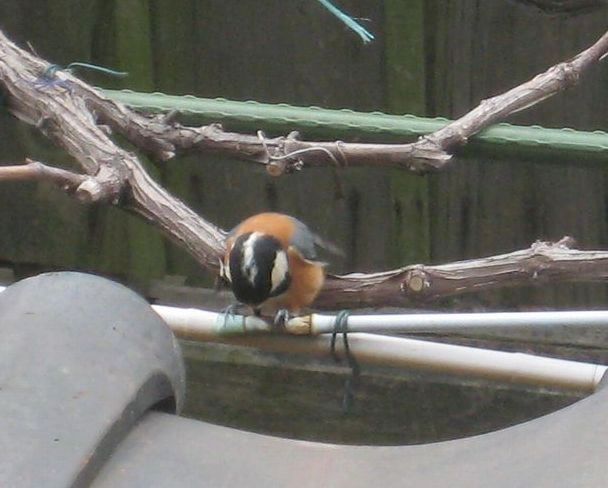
{"points": [[257, 268]]}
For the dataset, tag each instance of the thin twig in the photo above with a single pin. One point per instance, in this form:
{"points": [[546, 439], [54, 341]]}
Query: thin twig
{"points": [[35, 170], [70, 182]]}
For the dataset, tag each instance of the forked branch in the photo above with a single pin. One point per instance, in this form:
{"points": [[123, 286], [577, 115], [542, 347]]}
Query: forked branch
{"points": [[287, 154], [79, 119]]}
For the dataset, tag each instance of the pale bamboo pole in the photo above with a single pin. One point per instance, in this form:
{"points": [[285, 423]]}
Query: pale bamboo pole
{"points": [[207, 325], [446, 323], [515, 368], [381, 350]]}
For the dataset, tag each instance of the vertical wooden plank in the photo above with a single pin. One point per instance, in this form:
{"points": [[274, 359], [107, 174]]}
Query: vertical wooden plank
{"points": [[405, 56], [175, 61], [38, 224], [406, 93], [482, 207], [172, 27], [127, 244], [133, 53]]}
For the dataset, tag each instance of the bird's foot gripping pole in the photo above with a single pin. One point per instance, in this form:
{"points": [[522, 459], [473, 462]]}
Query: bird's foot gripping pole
{"points": [[281, 318]]}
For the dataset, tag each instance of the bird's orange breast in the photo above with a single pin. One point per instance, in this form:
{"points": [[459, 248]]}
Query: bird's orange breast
{"points": [[307, 279]]}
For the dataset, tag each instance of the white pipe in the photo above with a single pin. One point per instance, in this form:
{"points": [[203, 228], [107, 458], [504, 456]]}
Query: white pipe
{"points": [[213, 323], [207, 325], [449, 322], [382, 350], [517, 368]]}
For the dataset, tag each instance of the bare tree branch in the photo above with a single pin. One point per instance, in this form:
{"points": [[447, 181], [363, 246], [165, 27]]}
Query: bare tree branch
{"points": [[37, 171], [286, 154], [78, 119], [545, 85], [543, 262], [58, 107]]}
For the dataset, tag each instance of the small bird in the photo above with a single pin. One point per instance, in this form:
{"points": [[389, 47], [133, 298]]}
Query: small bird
{"points": [[271, 265]]}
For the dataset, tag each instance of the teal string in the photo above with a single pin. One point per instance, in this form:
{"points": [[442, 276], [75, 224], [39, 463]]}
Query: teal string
{"points": [[50, 72], [363, 33], [94, 67]]}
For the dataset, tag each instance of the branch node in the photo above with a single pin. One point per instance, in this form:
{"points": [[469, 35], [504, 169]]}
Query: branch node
{"points": [[416, 280], [566, 242], [90, 191], [339, 148], [275, 165], [42, 122], [105, 129], [568, 73], [276, 168], [169, 118]]}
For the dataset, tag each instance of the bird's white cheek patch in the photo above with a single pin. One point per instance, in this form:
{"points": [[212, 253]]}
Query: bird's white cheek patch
{"points": [[279, 270], [249, 268]]}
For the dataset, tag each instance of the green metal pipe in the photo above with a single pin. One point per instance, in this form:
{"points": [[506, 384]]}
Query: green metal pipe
{"points": [[501, 140]]}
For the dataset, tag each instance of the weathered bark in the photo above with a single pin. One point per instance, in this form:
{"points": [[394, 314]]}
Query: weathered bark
{"points": [[72, 115], [61, 108], [35, 170], [542, 263], [288, 154]]}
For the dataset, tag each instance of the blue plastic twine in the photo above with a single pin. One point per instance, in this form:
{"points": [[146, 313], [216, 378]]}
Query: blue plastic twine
{"points": [[94, 67], [352, 24], [48, 78]]}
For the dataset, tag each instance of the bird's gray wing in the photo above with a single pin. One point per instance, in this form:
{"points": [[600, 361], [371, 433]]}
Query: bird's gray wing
{"points": [[306, 242]]}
